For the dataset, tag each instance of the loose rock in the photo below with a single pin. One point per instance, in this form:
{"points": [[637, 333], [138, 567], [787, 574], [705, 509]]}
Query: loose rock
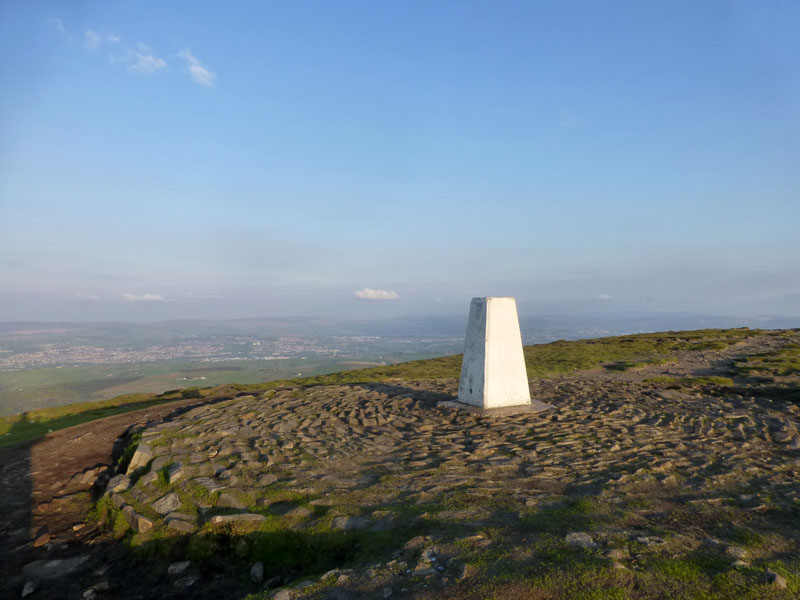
{"points": [[178, 568], [51, 569], [775, 579], [167, 504], [580, 539]]}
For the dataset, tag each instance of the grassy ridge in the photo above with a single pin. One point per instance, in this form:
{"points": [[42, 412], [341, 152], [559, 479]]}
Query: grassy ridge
{"points": [[37, 423], [543, 360], [783, 362], [30, 389]]}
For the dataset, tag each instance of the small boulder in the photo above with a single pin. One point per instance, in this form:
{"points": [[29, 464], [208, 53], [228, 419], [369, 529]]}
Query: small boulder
{"points": [[415, 542], [142, 524], [241, 518], [118, 483], [349, 523], [776, 580], [175, 473], [736, 552], [29, 588], [159, 463], [740, 564], [149, 478], [141, 457], [51, 569], [257, 572], [167, 504], [227, 500], [187, 582], [650, 540], [267, 479], [301, 512], [137, 522], [178, 568], [181, 525], [580, 539]]}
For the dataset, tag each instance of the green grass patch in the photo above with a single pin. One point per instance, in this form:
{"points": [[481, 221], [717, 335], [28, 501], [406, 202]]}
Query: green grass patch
{"points": [[743, 536], [628, 365], [690, 381], [781, 363], [35, 424], [576, 515], [542, 360], [109, 517]]}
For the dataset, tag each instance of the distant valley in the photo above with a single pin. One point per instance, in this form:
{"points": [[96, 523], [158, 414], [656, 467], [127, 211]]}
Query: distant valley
{"points": [[52, 364]]}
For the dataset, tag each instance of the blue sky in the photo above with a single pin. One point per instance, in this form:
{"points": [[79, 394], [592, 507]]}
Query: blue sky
{"points": [[166, 160]]}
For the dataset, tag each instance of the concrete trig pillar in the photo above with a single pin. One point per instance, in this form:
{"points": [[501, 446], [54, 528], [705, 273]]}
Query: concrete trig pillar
{"points": [[493, 371]]}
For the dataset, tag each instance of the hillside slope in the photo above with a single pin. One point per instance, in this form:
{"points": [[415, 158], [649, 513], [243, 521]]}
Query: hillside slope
{"points": [[669, 468]]}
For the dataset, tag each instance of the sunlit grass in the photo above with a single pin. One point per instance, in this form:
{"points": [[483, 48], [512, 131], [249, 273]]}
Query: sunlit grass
{"points": [[37, 423], [542, 360], [781, 363]]}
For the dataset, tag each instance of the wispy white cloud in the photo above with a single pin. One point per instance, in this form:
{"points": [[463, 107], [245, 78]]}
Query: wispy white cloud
{"points": [[142, 60], [128, 297], [92, 40], [57, 24], [85, 297], [199, 72], [602, 297], [145, 61], [370, 294]]}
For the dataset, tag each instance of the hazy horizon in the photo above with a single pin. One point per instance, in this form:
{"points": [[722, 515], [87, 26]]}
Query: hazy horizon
{"points": [[701, 319], [380, 160]]}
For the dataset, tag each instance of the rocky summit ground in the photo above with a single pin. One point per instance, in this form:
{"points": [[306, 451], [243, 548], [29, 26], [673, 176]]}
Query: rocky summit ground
{"points": [[675, 478]]}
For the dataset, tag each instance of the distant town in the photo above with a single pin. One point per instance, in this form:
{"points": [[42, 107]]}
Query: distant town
{"points": [[35, 346], [32, 346]]}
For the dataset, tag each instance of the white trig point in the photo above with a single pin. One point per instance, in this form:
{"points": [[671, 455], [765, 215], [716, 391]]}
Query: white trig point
{"points": [[493, 371]]}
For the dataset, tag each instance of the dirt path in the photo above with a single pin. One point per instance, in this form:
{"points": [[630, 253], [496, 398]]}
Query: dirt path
{"points": [[47, 490]]}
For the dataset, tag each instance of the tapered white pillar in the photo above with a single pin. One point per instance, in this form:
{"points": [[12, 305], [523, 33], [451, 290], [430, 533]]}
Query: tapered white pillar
{"points": [[493, 371]]}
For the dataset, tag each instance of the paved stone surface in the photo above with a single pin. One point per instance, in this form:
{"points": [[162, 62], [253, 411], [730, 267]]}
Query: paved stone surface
{"points": [[394, 445], [661, 460]]}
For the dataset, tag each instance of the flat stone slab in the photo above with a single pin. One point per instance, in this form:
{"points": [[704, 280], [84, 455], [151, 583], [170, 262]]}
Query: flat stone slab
{"points": [[51, 569], [209, 484], [349, 523], [167, 504], [241, 518]]}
